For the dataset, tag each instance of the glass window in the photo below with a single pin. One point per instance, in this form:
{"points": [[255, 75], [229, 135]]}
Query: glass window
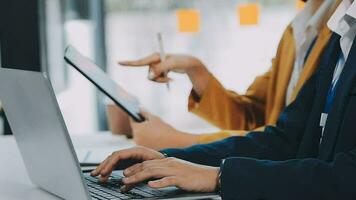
{"points": [[235, 54]]}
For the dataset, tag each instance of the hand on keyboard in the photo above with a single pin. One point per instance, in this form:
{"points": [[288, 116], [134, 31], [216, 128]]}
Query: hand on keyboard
{"points": [[168, 171], [115, 160]]}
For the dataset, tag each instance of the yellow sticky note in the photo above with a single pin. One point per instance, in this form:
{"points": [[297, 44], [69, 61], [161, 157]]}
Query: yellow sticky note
{"points": [[188, 20], [300, 4], [249, 13]]}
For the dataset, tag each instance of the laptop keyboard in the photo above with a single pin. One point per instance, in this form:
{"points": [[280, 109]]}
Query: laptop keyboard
{"points": [[111, 189]]}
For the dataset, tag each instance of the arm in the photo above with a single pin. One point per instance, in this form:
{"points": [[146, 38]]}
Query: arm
{"points": [[292, 179], [237, 112], [274, 143], [254, 145], [261, 165], [229, 110], [211, 137]]}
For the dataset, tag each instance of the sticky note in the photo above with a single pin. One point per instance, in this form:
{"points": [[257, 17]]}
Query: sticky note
{"points": [[300, 4], [249, 13], [188, 20]]}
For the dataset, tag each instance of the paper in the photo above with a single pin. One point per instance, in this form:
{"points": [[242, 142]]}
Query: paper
{"points": [[188, 20], [249, 13]]}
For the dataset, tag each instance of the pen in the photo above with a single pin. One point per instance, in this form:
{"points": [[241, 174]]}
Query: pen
{"points": [[161, 53]]}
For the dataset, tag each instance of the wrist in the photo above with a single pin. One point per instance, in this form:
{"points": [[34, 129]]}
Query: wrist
{"points": [[161, 155], [164, 155], [215, 177]]}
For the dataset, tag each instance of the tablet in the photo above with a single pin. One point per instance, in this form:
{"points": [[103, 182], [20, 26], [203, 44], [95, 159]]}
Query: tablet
{"points": [[104, 83]]}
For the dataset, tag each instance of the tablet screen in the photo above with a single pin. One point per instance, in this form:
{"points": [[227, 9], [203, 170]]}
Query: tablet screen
{"points": [[101, 80]]}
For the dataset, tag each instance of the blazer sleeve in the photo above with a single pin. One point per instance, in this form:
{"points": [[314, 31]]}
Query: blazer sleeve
{"points": [[278, 142], [211, 137], [229, 110], [308, 179], [262, 165]]}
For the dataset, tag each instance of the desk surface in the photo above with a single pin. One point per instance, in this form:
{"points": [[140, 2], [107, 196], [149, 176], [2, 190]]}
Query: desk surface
{"points": [[14, 181]]}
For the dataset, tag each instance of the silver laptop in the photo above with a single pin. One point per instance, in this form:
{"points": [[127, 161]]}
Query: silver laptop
{"points": [[43, 140]]}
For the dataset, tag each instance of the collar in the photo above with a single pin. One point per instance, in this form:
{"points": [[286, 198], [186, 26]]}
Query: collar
{"points": [[299, 23], [306, 24], [352, 10], [343, 22], [338, 16], [317, 18]]}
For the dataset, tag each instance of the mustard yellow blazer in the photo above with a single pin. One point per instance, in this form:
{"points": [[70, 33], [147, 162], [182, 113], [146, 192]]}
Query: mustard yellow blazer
{"points": [[264, 100]]}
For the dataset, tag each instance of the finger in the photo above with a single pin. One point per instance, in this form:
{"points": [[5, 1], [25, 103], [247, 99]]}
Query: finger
{"points": [[162, 68], [126, 188], [154, 58], [156, 172], [142, 166], [131, 170], [151, 74], [98, 169], [163, 79], [164, 182], [115, 159], [159, 70], [103, 178]]}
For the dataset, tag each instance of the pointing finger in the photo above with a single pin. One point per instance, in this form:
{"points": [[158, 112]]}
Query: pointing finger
{"points": [[154, 58]]}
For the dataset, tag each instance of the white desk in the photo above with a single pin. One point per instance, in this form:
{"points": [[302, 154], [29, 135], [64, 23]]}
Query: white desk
{"points": [[14, 181]]}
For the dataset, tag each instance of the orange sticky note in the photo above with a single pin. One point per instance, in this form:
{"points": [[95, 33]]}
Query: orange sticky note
{"points": [[188, 20], [300, 4], [249, 13]]}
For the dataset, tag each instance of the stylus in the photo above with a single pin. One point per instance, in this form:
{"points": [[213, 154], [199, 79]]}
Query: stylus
{"points": [[161, 53]]}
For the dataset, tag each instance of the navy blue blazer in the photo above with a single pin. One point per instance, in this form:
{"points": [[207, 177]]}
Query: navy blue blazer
{"points": [[287, 161]]}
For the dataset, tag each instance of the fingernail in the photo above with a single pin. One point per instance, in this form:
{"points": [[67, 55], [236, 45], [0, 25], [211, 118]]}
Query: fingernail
{"points": [[151, 75]]}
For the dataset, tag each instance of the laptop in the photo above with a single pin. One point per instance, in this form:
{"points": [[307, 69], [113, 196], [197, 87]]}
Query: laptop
{"points": [[46, 148]]}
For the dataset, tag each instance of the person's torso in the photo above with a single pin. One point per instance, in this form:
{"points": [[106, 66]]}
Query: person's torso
{"points": [[339, 134]]}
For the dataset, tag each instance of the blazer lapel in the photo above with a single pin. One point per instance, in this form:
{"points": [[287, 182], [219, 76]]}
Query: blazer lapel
{"points": [[311, 63], [335, 116]]}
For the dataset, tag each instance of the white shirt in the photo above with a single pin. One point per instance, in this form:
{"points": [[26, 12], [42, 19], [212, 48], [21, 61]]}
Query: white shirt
{"points": [[343, 23], [305, 29]]}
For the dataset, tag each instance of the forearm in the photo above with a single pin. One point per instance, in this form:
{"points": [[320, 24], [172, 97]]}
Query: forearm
{"points": [[223, 134], [212, 137], [273, 145], [199, 76], [307, 179]]}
